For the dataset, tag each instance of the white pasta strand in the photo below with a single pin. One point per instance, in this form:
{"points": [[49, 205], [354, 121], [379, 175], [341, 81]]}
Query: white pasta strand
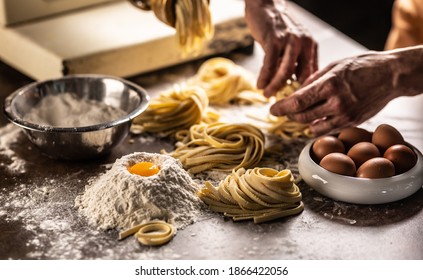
{"points": [[261, 194], [219, 146], [225, 82]]}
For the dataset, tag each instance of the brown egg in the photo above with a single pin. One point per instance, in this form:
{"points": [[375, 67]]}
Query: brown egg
{"points": [[353, 135], [402, 157], [362, 152], [377, 167], [325, 145], [338, 163], [385, 136]]}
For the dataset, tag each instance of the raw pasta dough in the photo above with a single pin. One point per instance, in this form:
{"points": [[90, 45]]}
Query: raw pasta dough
{"points": [[175, 110], [219, 146], [224, 82], [261, 194]]}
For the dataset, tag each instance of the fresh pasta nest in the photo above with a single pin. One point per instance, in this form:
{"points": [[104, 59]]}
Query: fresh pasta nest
{"points": [[224, 82], [174, 110], [219, 146], [261, 194]]}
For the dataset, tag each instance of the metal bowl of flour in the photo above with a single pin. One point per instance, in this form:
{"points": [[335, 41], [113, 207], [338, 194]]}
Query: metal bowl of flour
{"points": [[77, 116]]}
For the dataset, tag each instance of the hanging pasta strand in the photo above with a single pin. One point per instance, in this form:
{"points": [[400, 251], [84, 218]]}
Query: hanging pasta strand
{"points": [[194, 27]]}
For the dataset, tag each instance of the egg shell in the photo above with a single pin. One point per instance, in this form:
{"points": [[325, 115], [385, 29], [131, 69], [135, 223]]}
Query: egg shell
{"points": [[386, 136], [339, 163], [377, 167], [402, 157], [325, 145], [362, 152], [353, 135]]}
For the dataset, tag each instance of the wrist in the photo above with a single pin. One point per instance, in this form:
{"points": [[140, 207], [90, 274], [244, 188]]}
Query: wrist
{"points": [[278, 4], [407, 69]]}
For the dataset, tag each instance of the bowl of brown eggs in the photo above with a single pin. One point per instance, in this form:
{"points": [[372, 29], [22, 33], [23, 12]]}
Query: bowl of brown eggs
{"points": [[362, 167]]}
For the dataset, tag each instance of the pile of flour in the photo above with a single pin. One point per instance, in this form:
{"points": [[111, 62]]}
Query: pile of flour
{"points": [[119, 199], [67, 110]]}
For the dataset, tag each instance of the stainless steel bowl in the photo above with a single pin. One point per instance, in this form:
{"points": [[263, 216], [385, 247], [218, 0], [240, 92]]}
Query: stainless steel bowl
{"points": [[77, 143]]}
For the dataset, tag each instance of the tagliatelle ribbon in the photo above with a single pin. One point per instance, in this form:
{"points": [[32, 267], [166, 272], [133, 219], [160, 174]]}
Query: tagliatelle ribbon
{"points": [[261, 194], [152, 233]]}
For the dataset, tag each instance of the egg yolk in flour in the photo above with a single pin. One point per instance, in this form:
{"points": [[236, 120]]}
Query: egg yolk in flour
{"points": [[144, 168]]}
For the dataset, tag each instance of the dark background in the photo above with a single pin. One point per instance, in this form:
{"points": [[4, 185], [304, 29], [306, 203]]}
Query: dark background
{"points": [[366, 21]]}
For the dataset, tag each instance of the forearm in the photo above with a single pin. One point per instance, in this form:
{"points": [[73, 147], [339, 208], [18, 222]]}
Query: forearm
{"points": [[265, 20], [408, 71], [255, 8], [260, 3], [273, 15]]}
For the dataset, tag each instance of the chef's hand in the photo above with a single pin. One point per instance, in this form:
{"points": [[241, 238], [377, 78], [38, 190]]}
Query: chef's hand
{"points": [[352, 90], [288, 48]]}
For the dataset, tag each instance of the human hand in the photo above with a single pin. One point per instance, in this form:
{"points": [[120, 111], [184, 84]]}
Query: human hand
{"points": [[345, 93], [288, 48]]}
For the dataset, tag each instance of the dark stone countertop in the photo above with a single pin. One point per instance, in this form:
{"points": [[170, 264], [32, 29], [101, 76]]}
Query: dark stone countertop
{"points": [[38, 219]]}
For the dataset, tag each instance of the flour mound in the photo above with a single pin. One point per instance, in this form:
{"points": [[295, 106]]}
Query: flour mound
{"points": [[119, 199]]}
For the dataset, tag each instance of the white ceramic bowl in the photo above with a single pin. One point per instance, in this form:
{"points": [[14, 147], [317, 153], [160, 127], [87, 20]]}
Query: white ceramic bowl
{"points": [[360, 190]]}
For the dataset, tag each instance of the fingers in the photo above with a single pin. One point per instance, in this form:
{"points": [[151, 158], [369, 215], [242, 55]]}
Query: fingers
{"points": [[321, 104], [318, 111], [286, 69], [299, 57], [303, 99], [320, 127], [270, 64], [330, 125], [307, 60]]}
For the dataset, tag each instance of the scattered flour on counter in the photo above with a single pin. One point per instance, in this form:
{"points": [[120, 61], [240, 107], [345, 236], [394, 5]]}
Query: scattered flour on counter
{"points": [[52, 229], [119, 199], [67, 110], [9, 135], [31, 205]]}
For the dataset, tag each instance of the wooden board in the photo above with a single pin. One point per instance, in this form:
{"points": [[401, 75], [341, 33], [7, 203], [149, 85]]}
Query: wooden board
{"points": [[16, 11], [114, 38]]}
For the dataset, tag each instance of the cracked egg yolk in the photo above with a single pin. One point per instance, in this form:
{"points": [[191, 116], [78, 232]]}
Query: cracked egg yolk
{"points": [[144, 168]]}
